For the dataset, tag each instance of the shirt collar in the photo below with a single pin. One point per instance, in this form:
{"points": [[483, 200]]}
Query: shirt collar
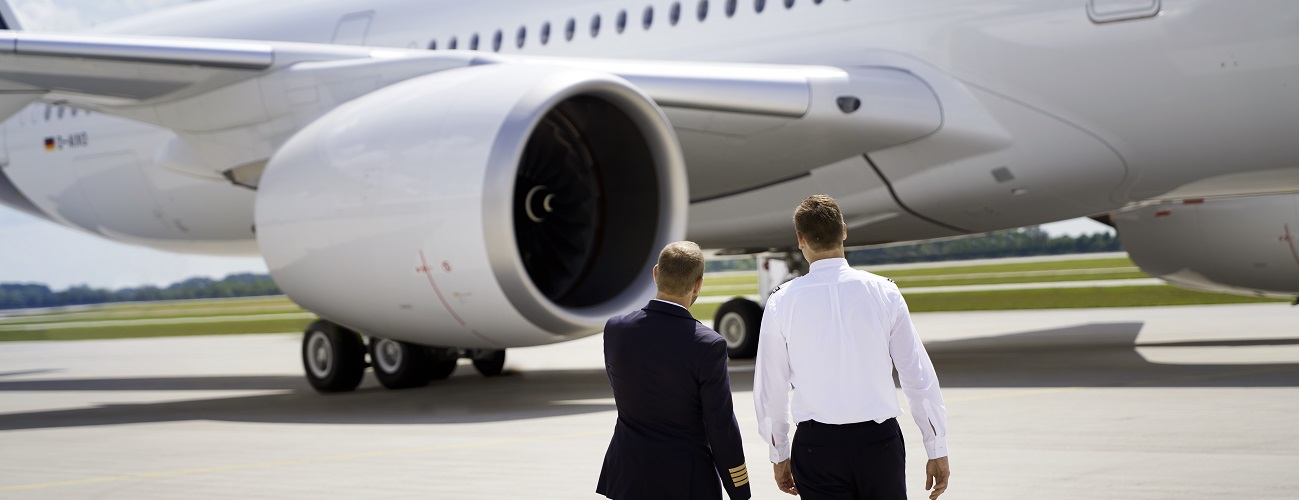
{"points": [[678, 306], [835, 263]]}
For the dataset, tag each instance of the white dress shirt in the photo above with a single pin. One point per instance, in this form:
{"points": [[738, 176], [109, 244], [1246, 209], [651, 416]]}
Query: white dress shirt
{"points": [[834, 336]]}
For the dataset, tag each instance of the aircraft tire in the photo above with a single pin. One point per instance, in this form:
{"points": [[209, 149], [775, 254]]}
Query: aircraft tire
{"points": [[491, 365], [738, 320], [333, 357], [400, 365], [441, 369]]}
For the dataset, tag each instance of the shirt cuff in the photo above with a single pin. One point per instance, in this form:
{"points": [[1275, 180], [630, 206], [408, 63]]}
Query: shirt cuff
{"points": [[936, 448], [778, 455]]}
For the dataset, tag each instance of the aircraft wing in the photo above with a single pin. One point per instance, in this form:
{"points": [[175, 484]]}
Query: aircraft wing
{"points": [[214, 91]]}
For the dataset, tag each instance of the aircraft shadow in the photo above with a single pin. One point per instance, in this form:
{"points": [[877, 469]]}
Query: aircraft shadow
{"points": [[1089, 355], [1094, 355], [464, 398]]}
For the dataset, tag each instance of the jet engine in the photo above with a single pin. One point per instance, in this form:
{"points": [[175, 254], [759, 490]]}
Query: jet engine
{"points": [[485, 207], [1243, 245]]}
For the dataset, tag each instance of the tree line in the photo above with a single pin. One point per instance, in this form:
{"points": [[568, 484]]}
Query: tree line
{"points": [[1010, 243], [21, 296]]}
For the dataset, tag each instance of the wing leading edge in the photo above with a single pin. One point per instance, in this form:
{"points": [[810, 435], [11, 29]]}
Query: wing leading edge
{"points": [[219, 93]]}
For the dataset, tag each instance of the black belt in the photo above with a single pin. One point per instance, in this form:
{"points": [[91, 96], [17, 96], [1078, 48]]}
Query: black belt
{"points": [[854, 425]]}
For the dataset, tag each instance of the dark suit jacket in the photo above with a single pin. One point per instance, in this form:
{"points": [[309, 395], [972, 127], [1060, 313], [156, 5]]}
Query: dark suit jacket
{"points": [[676, 433]]}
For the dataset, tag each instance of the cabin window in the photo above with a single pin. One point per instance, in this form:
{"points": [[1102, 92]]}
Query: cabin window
{"points": [[759, 5], [674, 13], [595, 26], [451, 44], [730, 7], [496, 41], [545, 32], [473, 42], [570, 29], [621, 22], [522, 37], [702, 11], [433, 45], [647, 19]]}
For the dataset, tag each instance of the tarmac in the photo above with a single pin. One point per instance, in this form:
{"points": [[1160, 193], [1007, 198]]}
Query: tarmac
{"points": [[1128, 403]]}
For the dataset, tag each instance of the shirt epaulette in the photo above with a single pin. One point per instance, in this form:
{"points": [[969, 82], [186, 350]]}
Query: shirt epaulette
{"points": [[778, 287]]}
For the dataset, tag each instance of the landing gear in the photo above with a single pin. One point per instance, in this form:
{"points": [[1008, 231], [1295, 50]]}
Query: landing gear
{"points": [[738, 321], [400, 365], [333, 356], [489, 363], [442, 365], [334, 359]]}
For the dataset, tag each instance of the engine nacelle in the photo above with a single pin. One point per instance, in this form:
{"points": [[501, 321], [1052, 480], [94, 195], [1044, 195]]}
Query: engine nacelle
{"points": [[484, 207], [1235, 245]]}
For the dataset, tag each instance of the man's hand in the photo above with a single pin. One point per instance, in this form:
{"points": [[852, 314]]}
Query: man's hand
{"points": [[785, 477], [936, 473]]}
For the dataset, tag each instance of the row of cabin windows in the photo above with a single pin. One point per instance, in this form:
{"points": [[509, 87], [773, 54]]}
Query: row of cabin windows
{"points": [[570, 27], [56, 111]]}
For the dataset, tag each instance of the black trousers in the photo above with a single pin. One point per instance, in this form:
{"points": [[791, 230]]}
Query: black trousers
{"points": [[862, 461]]}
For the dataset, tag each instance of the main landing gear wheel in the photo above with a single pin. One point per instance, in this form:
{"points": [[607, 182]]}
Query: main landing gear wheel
{"points": [[400, 365], [738, 321], [490, 363], [442, 363], [333, 356]]}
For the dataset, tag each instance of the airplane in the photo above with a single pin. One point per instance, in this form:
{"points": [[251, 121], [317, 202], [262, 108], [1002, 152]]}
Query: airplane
{"points": [[449, 179]]}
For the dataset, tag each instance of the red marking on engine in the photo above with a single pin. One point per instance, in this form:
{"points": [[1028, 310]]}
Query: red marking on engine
{"points": [[1193, 201], [428, 273], [424, 267], [1163, 213], [1290, 240]]}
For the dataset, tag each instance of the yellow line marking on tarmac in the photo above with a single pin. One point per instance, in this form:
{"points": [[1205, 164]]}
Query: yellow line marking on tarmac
{"points": [[281, 463]]}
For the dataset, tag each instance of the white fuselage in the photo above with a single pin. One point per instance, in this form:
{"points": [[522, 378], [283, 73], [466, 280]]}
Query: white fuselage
{"points": [[1084, 117]]}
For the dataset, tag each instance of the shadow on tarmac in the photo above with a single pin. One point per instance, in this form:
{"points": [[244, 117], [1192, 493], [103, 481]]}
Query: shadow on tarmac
{"points": [[1095, 355], [1090, 355], [464, 398]]}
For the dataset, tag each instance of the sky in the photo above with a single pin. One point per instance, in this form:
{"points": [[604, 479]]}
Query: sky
{"points": [[72, 15], [36, 251]]}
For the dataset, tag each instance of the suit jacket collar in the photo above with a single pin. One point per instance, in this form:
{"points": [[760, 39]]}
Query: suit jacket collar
{"points": [[673, 309]]}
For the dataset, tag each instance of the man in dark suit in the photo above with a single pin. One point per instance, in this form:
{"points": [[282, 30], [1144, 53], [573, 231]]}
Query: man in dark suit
{"points": [[676, 433]]}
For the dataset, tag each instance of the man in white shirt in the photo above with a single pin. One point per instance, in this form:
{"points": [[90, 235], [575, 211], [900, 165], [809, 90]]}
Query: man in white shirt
{"points": [[834, 337]]}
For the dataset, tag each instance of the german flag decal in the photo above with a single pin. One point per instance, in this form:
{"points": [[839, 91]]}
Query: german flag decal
{"points": [[740, 475], [50, 145]]}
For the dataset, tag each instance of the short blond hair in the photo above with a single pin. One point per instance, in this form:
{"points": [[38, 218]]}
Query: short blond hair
{"points": [[681, 265], [818, 219]]}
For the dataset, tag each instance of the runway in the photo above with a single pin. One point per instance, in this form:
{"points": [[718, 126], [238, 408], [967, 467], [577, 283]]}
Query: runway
{"points": [[1140, 403]]}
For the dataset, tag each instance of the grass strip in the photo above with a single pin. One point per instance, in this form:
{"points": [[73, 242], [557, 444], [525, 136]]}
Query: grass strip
{"points": [[181, 330], [201, 313], [903, 283], [1051, 298], [1068, 298], [1064, 265]]}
